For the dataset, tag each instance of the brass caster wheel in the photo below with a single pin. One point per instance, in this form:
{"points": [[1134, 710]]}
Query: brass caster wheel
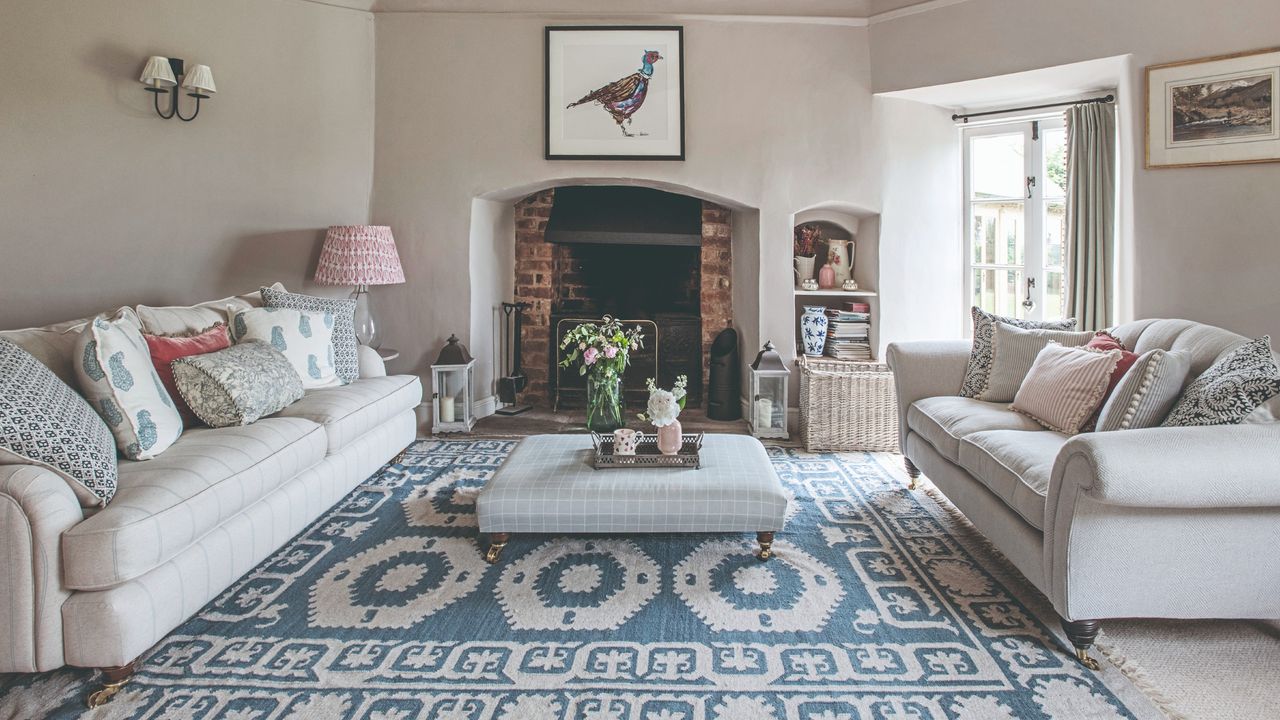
{"points": [[766, 545], [495, 550], [1082, 655], [99, 697], [765, 553]]}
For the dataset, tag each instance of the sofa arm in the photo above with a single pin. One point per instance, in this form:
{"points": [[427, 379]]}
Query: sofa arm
{"points": [[36, 507], [1222, 466], [371, 365], [923, 370]]}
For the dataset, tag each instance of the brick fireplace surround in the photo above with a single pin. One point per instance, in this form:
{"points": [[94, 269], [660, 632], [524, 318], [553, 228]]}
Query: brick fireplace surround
{"points": [[535, 277]]}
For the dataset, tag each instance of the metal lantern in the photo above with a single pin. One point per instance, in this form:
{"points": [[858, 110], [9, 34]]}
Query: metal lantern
{"points": [[452, 376], [770, 379]]}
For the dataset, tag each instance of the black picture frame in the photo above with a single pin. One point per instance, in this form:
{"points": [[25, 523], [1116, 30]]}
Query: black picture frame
{"points": [[548, 152]]}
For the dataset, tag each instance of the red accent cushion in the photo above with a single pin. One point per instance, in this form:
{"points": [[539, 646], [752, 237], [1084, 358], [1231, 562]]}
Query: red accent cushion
{"points": [[1105, 341], [164, 350]]}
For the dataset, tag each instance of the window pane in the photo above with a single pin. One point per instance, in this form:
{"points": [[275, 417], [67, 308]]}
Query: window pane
{"points": [[997, 167], [1055, 163], [999, 233], [996, 291], [1055, 299], [1055, 233]]}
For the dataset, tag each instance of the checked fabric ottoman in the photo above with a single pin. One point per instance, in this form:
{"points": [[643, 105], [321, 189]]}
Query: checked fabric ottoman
{"points": [[548, 485]]}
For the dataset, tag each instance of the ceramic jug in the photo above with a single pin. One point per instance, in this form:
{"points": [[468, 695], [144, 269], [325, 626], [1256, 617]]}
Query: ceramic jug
{"points": [[803, 268], [840, 259]]}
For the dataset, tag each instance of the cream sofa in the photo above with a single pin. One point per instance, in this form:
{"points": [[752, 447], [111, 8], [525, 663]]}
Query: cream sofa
{"points": [[1160, 522], [98, 588]]}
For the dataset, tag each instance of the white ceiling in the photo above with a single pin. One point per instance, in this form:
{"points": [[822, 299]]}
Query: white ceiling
{"points": [[781, 8]]}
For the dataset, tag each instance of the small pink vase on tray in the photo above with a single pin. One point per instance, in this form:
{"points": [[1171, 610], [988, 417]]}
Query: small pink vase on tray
{"points": [[670, 438]]}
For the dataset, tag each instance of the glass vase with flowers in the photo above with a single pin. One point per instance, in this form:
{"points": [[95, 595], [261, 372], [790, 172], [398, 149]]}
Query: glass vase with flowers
{"points": [[602, 352]]}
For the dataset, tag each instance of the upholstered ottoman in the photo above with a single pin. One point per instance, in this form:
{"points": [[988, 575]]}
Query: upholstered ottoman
{"points": [[548, 485]]}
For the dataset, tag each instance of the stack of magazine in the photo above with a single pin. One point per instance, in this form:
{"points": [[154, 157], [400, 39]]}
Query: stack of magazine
{"points": [[848, 333]]}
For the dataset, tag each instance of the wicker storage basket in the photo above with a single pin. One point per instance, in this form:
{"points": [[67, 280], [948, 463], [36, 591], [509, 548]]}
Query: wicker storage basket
{"points": [[847, 406]]}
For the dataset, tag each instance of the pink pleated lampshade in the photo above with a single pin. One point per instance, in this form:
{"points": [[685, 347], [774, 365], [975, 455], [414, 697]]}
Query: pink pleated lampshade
{"points": [[359, 255]]}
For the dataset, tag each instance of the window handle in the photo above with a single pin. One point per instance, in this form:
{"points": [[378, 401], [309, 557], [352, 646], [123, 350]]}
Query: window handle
{"points": [[1031, 183], [1028, 303]]}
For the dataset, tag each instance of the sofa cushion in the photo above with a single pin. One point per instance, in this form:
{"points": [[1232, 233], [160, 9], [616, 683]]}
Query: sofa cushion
{"points": [[346, 360], [182, 319], [164, 505], [238, 385], [944, 420], [350, 411], [1015, 465]]}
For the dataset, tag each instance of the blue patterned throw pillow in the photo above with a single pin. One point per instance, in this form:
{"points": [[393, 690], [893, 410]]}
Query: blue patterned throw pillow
{"points": [[116, 375], [281, 328], [340, 318], [44, 422], [1232, 388]]}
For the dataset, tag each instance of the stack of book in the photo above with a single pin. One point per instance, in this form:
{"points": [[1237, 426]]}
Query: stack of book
{"points": [[848, 333]]}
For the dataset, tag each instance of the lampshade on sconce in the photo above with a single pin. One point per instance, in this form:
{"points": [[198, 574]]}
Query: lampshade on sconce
{"points": [[360, 255], [157, 73], [200, 80], [162, 73]]}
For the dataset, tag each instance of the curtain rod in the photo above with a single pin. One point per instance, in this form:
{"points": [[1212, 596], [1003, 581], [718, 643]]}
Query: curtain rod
{"points": [[966, 116]]}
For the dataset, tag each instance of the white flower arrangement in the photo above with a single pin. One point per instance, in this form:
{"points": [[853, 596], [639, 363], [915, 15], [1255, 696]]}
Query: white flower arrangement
{"points": [[665, 405]]}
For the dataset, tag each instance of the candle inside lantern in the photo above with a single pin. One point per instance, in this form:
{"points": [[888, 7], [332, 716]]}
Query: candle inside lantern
{"points": [[764, 413], [446, 409]]}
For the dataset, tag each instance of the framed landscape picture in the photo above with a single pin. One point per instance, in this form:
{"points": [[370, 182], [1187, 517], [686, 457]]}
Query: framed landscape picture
{"points": [[615, 93], [1214, 111]]}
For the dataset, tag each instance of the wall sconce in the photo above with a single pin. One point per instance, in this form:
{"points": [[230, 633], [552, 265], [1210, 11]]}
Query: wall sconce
{"points": [[162, 73]]}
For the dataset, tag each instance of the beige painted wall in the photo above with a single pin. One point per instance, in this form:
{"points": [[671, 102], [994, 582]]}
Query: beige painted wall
{"points": [[104, 204], [1204, 239], [777, 117]]}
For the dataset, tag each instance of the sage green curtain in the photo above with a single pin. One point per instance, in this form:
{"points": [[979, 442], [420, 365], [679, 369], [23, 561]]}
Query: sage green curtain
{"points": [[1091, 213]]}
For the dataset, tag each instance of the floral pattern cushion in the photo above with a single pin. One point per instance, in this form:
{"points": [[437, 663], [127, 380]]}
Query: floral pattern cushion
{"points": [[237, 386], [984, 327], [1231, 389], [304, 338], [114, 369], [44, 422], [345, 345]]}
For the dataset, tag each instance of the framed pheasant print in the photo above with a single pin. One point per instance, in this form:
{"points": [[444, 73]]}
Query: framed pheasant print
{"points": [[615, 93]]}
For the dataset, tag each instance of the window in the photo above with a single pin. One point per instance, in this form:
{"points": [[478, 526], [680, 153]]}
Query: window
{"points": [[1015, 212]]}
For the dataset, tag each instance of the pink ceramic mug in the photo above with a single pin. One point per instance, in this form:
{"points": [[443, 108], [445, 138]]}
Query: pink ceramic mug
{"points": [[625, 441]]}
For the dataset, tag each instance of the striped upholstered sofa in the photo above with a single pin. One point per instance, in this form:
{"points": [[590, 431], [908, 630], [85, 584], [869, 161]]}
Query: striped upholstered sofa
{"points": [[99, 588], [1164, 522]]}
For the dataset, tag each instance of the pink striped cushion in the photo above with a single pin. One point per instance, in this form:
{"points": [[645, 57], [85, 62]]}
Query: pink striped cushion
{"points": [[1065, 386]]}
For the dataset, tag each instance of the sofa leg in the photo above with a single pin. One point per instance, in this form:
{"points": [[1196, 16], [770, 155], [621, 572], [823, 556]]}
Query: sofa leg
{"points": [[113, 678], [497, 541], [1082, 633], [913, 472], [399, 458], [766, 545]]}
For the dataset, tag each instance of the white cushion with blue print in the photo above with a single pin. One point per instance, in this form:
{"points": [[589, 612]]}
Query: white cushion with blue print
{"points": [[304, 338]]}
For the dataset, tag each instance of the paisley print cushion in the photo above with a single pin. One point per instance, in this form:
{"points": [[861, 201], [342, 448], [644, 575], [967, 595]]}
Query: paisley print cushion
{"points": [[304, 338], [1230, 389], [44, 422], [984, 327], [239, 385], [343, 310], [113, 366]]}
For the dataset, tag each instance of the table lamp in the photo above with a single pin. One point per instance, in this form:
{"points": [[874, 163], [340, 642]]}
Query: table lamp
{"points": [[360, 255]]}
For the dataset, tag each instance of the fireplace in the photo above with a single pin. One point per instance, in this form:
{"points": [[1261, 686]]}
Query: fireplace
{"points": [[633, 253]]}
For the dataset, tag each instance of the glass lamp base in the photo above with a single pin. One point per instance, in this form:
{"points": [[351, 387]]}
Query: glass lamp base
{"points": [[367, 330]]}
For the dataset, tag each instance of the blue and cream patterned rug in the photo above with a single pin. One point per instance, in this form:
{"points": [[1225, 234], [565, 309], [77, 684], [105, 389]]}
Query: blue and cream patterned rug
{"points": [[875, 606]]}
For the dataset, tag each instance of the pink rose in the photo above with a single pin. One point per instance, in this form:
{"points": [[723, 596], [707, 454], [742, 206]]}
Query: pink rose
{"points": [[589, 357], [611, 352]]}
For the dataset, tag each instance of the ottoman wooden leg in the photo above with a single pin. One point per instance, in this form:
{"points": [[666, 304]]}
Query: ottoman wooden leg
{"points": [[766, 545], [497, 541]]}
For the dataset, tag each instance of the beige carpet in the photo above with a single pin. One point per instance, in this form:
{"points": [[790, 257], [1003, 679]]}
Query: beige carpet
{"points": [[1207, 670]]}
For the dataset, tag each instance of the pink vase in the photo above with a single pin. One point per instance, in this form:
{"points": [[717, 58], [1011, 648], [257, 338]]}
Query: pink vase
{"points": [[670, 438], [826, 277]]}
